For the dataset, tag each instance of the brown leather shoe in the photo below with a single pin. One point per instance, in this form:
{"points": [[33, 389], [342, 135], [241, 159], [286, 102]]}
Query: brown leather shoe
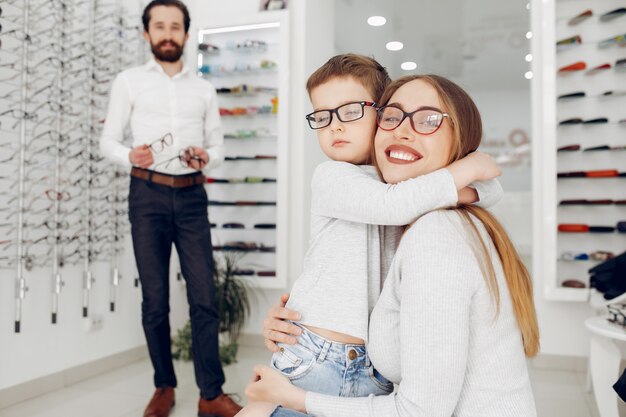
{"points": [[220, 406], [161, 403]]}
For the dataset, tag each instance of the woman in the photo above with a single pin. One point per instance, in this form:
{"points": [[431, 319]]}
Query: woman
{"points": [[456, 317]]}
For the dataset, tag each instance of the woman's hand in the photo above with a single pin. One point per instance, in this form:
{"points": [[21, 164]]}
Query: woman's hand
{"points": [[271, 386], [276, 329]]}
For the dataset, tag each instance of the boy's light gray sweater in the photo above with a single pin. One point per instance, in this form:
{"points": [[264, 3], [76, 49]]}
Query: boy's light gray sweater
{"points": [[349, 251]]}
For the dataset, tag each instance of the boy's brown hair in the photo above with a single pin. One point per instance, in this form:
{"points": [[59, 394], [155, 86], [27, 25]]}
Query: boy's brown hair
{"points": [[364, 69]]}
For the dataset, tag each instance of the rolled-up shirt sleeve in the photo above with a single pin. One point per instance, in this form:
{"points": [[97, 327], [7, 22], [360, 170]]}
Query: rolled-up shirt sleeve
{"points": [[117, 118]]}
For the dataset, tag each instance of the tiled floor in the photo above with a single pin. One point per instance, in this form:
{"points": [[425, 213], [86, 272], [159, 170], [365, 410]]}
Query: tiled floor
{"points": [[124, 392]]}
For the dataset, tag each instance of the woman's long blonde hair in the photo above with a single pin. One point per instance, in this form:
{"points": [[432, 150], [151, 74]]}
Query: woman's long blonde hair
{"points": [[467, 128]]}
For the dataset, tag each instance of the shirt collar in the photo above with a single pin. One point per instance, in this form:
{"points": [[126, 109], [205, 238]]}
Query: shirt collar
{"points": [[152, 65]]}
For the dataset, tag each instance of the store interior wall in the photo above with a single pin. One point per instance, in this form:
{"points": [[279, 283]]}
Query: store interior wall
{"points": [[43, 349]]}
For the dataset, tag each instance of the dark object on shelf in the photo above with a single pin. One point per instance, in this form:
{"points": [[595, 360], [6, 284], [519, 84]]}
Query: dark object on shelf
{"points": [[233, 226], [243, 272], [576, 66], [620, 202], [216, 180], [620, 65], [573, 121], [573, 174], [573, 283], [580, 17], [266, 273], [621, 227], [615, 93], [613, 14], [208, 47], [212, 225], [577, 94], [609, 277], [601, 229], [240, 246], [267, 248], [598, 69], [597, 148], [596, 121], [220, 203], [265, 226], [265, 157], [568, 148], [585, 202], [573, 228]]}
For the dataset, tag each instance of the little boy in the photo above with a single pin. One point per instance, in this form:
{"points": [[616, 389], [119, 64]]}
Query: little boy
{"points": [[350, 252]]}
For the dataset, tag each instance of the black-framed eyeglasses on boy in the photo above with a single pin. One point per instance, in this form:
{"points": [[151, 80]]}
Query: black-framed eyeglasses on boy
{"points": [[425, 120], [348, 112]]}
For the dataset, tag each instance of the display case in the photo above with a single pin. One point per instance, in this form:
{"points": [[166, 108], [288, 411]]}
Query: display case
{"points": [[248, 65], [579, 157]]}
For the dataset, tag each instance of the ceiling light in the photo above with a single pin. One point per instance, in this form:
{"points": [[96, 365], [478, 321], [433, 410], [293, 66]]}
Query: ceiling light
{"points": [[529, 58], [528, 75], [408, 66], [529, 35], [394, 46], [376, 20]]}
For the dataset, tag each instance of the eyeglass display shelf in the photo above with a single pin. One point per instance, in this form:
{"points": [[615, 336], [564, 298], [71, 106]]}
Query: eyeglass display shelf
{"points": [[562, 101], [251, 185]]}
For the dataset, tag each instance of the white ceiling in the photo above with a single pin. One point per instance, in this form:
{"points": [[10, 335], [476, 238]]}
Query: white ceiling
{"points": [[481, 44]]}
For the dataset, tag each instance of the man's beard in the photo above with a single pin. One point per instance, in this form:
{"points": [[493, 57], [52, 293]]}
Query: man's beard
{"points": [[170, 55]]}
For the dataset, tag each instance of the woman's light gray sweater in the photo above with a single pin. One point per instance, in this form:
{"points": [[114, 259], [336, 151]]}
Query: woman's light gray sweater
{"points": [[349, 253], [434, 332]]}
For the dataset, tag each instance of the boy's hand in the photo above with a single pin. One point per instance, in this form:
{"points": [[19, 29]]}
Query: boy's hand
{"points": [[477, 166], [276, 329], [485, 165]]}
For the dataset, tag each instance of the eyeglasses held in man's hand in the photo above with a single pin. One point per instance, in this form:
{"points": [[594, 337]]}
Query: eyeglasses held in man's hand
{"points": [[187, 158], [160, 144], [425, 120], [348, 112]]}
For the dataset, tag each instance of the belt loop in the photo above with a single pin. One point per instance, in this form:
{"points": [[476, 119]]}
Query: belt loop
{"points": [[324, 351], [150, 176]]}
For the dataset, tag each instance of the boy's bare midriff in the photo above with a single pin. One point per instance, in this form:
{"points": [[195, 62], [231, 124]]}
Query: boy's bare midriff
{"points": [[336, 336]]}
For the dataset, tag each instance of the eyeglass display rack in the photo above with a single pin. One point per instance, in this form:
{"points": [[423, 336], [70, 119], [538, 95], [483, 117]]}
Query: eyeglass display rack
{"points": [[248, 65], [61, 204], [579, 113]]}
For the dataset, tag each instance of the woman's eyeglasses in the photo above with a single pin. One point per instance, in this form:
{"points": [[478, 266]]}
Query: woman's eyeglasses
{"points": [[425, 120], [348, 112]]}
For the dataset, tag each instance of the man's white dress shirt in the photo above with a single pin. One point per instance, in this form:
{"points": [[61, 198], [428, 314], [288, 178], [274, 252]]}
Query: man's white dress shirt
{"points": [[156, 104]]}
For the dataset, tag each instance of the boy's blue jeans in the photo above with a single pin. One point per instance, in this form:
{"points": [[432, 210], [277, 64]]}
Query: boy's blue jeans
{"points": [[320, 365]]}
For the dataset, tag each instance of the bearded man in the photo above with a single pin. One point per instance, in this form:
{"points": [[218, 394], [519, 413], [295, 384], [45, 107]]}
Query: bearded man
{"points": [[176, 131]]}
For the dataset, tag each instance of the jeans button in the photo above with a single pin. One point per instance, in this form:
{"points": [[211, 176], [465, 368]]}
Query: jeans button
{"points": [[352, 354]]}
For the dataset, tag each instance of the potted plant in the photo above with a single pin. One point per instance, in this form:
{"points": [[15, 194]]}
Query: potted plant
{"points": [[233, 306]]}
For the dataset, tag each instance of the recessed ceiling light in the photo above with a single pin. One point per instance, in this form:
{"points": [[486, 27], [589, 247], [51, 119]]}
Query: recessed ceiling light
{"points": [[529, 35], [376, 20], [394, 46], [408, 66], [529, 58], [528, 75]]}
